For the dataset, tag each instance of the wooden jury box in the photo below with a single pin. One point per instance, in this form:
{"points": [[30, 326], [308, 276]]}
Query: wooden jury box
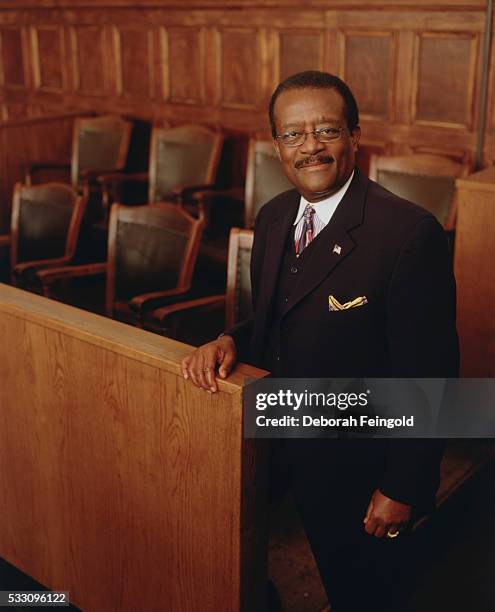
{"points": [[474, 265]]}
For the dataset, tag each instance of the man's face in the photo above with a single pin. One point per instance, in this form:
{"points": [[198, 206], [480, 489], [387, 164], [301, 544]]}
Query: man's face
{"points": [[317, 169]]}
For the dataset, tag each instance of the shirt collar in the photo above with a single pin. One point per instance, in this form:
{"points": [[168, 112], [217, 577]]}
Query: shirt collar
{"points": [[324, 208]]}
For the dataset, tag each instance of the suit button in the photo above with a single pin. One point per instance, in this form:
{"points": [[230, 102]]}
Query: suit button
{"points": [[294, 270]]}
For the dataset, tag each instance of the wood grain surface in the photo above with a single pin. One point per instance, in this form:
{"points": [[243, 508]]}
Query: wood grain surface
{"points": [[415, 68], [474, 257], [282, 4], [119, 481], [28, 141]]}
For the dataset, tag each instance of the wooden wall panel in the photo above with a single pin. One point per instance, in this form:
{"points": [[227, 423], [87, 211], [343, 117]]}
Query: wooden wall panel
{"points": [[88, 59], [134, 52], [299, 50], [12, 111], [237, 4], [239, 83], [183, 56], [368, 61], [489, 157], [416, 73], [445, 71], [25, 142], [48, 50], [12, 58]]}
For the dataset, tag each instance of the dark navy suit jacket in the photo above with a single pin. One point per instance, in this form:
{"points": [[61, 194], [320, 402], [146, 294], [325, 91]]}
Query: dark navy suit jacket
{"points": [[396, 254]]}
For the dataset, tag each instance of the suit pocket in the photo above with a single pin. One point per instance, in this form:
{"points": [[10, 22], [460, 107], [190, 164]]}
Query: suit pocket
{"points": [[364, 309], [359, 316]]}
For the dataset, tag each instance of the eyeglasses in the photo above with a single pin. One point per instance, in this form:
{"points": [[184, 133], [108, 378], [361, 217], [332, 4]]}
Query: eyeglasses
{"points": [[296, 139]]}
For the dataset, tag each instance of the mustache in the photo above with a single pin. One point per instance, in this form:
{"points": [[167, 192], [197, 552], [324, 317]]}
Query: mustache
{"points": [[313, 159]]}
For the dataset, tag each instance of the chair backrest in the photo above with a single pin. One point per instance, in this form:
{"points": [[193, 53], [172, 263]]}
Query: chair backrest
{"points": [[265, 178], [238, 299], [185, 155], [150, 248], [99, 143], [45, 222], [426, 180]]}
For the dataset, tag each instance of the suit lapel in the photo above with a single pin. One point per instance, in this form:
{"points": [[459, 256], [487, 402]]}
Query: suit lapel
{"points": [[334, 243]]}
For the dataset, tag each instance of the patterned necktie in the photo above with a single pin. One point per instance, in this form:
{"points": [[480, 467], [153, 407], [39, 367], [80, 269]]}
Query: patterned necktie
{"points": [[308, 230]]}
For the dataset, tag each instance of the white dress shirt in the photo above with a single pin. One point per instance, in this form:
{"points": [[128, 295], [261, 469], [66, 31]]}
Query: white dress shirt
{"points": [[324, 210]]}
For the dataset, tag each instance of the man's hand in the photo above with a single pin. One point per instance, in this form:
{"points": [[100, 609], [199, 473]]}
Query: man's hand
{"points": [[385, 514], [200, 365]]}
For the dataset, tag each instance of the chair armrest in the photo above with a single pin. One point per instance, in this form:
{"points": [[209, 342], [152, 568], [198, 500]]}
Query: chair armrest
{"points": [[122, 177], [187, 192], [195, 321], [113, 184], [48, 166], [95, 174], [139, 304], [160, 314], [50, 276], [5, 240], [33, 266], [236, 193], [32, 168]]}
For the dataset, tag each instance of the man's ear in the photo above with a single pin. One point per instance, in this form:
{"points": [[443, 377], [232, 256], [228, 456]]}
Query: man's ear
{"points": [[355, 136], [276, 146]]}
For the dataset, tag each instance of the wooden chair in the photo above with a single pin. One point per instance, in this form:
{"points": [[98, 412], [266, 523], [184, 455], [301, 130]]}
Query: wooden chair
{"points": [[45, 224], [426, 180], [182, 160], [199, 320], [99, 144], [152, 251], [227, 208], [265, 179]]}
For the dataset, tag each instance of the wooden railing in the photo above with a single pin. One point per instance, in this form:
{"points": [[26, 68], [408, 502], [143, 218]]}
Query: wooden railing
{"points": [[119, 481]]}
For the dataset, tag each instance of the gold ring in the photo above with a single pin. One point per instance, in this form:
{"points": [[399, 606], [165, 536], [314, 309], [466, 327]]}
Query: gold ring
{"points": [[392, 534]]}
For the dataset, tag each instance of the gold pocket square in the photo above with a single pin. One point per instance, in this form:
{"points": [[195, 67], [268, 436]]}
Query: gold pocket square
{"points": [[334, 304]]}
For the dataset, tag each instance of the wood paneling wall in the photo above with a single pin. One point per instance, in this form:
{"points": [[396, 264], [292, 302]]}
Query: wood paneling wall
{"points": [[24, 141], [415, 68]]}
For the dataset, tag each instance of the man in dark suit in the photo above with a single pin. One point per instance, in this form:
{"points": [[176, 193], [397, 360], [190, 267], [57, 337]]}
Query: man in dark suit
{"points": [[348, 280]]}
